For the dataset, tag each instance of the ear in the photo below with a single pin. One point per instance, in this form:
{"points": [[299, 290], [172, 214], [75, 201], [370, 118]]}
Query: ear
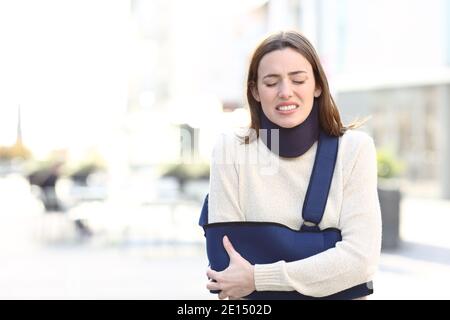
{"points": [[255, 93], [317, 92]]}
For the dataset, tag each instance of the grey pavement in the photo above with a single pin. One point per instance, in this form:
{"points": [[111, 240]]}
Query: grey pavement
{"points": [[43, 257], [420, 267]]}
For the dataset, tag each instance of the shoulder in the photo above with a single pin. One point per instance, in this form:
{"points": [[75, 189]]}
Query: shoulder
{"points": [[226, 140], [357, 147], [228, 144], [353, 141], [356, 137]]}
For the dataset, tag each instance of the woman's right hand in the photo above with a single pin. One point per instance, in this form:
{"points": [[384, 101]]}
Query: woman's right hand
{"points": [[237, 280]]}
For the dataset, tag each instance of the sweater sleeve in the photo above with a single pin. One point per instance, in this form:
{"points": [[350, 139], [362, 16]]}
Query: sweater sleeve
{"points": [[355, 259], [223, 203]]}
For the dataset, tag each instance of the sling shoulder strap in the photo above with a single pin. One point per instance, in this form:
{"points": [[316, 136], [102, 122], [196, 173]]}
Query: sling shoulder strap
{"points": [[320, 181]]}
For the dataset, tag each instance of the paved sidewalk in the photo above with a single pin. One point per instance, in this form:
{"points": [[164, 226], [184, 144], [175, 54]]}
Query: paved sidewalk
{"points": [[420, 267], [67, 267]]}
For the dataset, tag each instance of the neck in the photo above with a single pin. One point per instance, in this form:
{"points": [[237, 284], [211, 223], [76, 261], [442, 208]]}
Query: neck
{"points": [[291, 142]]}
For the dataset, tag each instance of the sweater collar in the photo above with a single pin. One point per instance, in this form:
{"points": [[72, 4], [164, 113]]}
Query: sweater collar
{"points": [[293, 142]]}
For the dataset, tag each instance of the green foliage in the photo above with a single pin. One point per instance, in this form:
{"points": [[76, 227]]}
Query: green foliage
{"points": [[16, 151], [389, 166], [185, 172]]}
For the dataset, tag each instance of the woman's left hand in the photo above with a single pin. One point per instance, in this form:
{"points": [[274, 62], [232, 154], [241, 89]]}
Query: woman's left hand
{"points": [[237, 280]]}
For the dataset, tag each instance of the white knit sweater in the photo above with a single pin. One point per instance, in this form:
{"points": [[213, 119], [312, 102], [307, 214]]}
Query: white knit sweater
{"points": [[251, 183]]}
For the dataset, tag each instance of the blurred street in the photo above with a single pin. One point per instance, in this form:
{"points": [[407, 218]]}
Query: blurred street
{"points": [[43, 257], [419, 268], [106, 134]]}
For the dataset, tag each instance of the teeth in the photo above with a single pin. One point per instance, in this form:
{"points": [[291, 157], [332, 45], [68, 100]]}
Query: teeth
{"points": [[287, 108]]}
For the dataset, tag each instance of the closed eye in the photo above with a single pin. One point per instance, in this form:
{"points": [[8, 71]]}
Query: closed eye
{"points": [[273, 84]]}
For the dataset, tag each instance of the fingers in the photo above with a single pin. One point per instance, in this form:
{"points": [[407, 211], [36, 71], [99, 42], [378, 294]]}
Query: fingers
{"points": [[228, 247], [211, 274], [213, 286], [222, 295]]}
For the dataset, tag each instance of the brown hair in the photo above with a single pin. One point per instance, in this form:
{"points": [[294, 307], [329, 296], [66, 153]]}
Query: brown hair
{"points": [[330, 120]]}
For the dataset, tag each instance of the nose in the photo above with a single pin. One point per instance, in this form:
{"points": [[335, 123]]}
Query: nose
{"points": [[285, 90]]}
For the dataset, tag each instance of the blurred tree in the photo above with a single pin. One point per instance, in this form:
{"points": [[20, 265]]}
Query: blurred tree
{"points": [[16, 151], [389, 166], [184, 172]]}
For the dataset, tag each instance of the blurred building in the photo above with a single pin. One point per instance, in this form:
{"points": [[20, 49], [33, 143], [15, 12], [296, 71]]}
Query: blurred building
{"points": [[390, 61], [385, 59], [16, 153], [188, 77]]}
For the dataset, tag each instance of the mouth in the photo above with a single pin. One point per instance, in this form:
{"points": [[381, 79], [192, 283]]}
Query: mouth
{"points": [[287, 108]]}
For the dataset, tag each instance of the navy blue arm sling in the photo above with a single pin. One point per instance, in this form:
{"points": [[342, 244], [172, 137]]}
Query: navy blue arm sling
{"points": [[268, 242]]}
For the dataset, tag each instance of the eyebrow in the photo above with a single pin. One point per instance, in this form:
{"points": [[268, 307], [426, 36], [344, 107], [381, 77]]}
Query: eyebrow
{"points": [[290, 73]]}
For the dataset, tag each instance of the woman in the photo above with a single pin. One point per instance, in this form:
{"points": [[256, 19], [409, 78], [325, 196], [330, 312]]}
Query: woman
{"points": [[287, 90]]}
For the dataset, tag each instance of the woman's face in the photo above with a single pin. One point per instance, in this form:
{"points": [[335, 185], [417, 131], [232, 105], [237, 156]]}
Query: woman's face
{"points": [[285, 87]]}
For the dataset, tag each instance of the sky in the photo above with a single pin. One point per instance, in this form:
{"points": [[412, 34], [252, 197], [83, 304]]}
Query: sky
{"points": [[65, 64]]}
